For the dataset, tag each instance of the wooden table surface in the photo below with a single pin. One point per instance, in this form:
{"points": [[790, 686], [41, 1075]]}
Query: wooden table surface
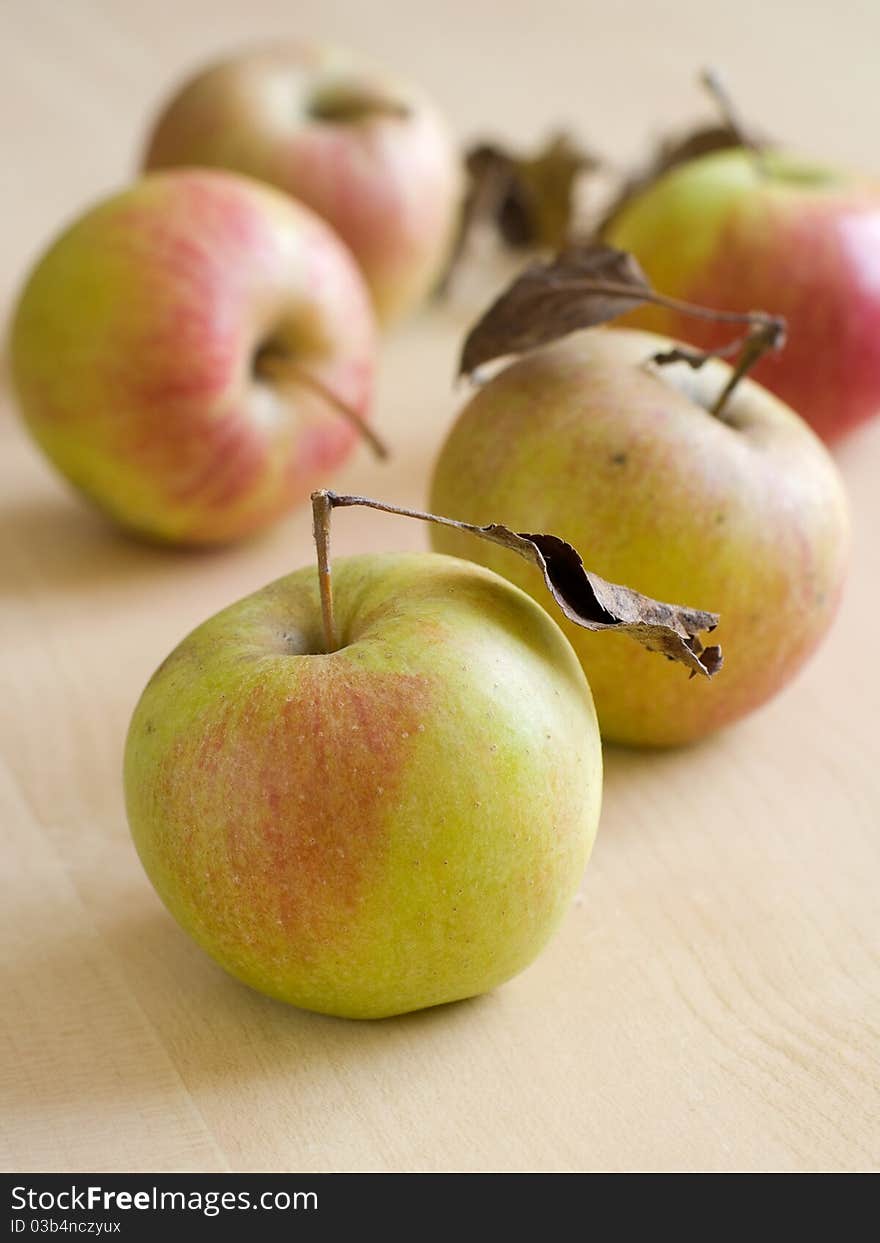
{"points": [[713, 999]]}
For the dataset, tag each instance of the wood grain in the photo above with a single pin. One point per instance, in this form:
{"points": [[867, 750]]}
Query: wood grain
{"points": [[713, 999]]}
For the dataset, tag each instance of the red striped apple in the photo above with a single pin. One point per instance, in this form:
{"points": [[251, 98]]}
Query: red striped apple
{"points": [[381, 797], [740, 230], [743, 513], [185, 351], [365, 150], [393, 824]]}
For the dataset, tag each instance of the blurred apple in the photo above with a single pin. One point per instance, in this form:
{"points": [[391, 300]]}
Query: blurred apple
{"points": [[741, 231], [365, 150], [175, 351], [743, 514], [398, 823]]}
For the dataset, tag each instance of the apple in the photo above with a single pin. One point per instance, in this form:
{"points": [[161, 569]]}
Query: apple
{"points": [[398, 823], [362, 148], [740, 231], [744, 514], [180, 351]]}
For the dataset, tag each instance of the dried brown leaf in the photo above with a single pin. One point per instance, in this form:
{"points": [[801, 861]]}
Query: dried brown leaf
{"points": [[589, 283], [585, 285], [547, 185], [595, 604], [529, 200], [584, 598], [764, 335], [535, 198]]}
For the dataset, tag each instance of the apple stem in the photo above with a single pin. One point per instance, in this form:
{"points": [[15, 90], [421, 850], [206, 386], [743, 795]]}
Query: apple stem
{"points": [[751, 319], [274, 362], [713, 82], [584, 598], [765, 332], [336, 501], [760, 339], [322, 508], [323, 504]]}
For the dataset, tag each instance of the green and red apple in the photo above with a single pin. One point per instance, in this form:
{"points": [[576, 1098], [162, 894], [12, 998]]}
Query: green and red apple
{"points": [[391, 825], [365, 150], [174, 350], [738, 230], [744, 514]]}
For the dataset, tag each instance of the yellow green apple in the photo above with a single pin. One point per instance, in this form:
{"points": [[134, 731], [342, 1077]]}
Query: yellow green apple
{"points": [[176, 349], [363, 148], [744, 514], [391, 825], [742, 230]]}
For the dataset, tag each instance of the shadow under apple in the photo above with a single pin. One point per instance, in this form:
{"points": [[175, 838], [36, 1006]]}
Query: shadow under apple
{"points": [[218, 1033]]}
